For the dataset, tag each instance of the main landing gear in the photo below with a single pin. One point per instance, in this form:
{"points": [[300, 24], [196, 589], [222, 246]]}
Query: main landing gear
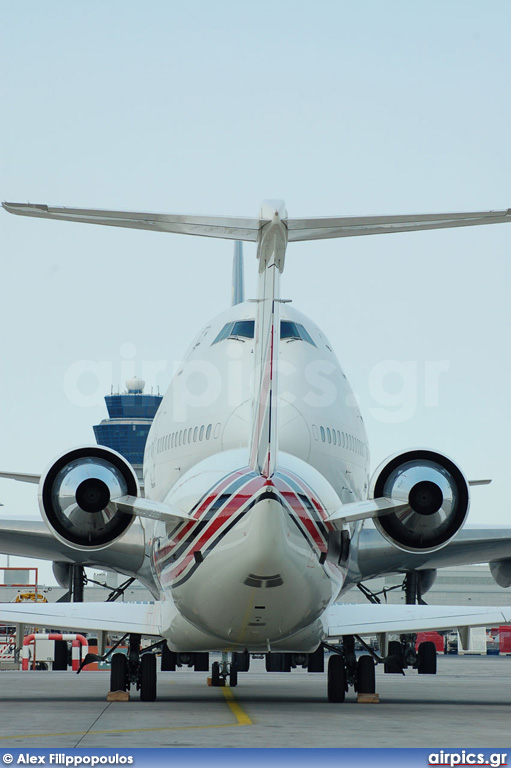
{"points": [[404, 653], [135, 668], [345, 670]]}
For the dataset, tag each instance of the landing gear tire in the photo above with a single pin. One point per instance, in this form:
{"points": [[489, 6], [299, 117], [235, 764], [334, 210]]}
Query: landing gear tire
{"points": [[336, 679], [233, 675], [215, 674], [168, 659], [242, 661], [60, 658], [316, 660], [201, 662], [426, 659], [119, 672], [148, 677], [278, 662], [366, 681], [394, 666]]}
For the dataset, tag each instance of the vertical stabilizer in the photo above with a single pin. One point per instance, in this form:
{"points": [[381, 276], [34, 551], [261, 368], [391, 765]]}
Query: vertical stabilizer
{"points": [[271, 249], [238, 283]]}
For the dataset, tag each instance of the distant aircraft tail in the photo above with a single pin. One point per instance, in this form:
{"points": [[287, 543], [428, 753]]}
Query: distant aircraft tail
{"points": [[238, 286]]}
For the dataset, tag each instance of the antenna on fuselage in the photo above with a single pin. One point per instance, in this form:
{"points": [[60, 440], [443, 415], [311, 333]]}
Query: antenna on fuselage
{"points": [[238, 281]]}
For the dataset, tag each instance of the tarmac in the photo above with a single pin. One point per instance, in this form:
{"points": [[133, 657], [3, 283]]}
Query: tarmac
{"points": [[467, 704]]}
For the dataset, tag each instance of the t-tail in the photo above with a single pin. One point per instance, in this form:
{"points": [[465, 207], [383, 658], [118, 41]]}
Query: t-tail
{"points": [[271, 250]]}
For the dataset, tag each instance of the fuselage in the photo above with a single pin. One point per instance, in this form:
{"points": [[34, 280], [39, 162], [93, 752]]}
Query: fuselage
{"points": [[254, 571]]}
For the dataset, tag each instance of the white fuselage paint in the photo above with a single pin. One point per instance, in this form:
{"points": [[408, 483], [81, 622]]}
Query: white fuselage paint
{"points": [[252, 572]]}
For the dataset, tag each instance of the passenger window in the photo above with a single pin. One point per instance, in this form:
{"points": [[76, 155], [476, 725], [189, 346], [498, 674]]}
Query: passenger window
{"points": [[328, 435], [195, 434], [190, 434], [208, 432], [322, 433], [334, 437], [217, 430], [201, 433], [314, 432]]}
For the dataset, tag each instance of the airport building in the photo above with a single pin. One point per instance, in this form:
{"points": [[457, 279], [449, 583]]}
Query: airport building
{"points": [[130, 416]]}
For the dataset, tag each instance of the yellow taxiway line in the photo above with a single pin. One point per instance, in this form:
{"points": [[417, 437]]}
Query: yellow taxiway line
{"points": [[241, 719], [239, 714]]}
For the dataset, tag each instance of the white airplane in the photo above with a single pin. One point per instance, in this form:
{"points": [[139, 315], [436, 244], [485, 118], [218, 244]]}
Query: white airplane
{"points": [[254, 518]]}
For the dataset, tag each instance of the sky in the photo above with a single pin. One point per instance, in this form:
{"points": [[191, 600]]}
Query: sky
{"points": [[338, 108]]}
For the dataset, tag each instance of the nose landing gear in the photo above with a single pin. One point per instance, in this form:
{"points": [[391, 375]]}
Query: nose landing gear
{"points": [[223, 671]]}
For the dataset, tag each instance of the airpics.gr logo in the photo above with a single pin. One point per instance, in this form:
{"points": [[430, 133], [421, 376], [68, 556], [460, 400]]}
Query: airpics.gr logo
{"points": [[463, 758]]}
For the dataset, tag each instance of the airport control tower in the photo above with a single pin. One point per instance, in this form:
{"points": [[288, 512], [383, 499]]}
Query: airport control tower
{"points": [[130, 417]]}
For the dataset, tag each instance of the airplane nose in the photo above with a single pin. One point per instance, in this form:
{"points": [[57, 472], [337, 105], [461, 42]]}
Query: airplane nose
{"points": [[276, 586]]}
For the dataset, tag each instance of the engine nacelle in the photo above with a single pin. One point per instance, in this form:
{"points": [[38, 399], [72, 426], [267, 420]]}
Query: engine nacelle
{"points": [[436, 494], [76, 494]]}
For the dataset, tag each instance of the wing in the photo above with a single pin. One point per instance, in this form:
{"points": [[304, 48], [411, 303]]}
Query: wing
{"points": [[228, 227], [376, 557], [28, 538], [345, 619], [89, 617], [351, 226], [22, 477]]}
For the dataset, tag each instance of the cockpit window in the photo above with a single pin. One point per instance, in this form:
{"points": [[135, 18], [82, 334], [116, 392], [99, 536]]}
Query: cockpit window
{"points": [[290, 330], [244, 329], [241, 329]]}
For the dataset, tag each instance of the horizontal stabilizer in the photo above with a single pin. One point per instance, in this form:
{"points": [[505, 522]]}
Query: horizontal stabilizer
{"points": [[89, 617], [352, 226], [153, 510], [364, 510], [346, 619], [21, 477], [228, 227], [238, 228]]}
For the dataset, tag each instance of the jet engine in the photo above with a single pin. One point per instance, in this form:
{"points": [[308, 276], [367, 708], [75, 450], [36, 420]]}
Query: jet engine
{"points": [[76, 497], [436, 496]]}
